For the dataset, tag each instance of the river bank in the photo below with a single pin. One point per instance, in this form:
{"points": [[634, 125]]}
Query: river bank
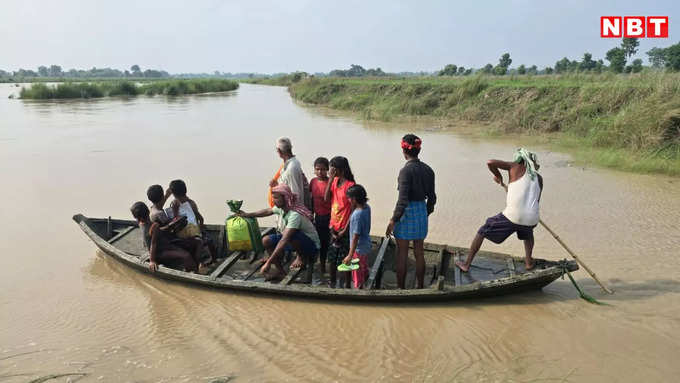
{"points": [[628, 122], [40, 91]]}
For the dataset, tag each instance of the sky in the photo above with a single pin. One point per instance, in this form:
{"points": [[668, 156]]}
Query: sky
{"points": [[310, 35]]}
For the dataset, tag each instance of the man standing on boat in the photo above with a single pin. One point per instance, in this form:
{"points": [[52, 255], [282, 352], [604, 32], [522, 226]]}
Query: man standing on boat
{"points": [[291, 172], [520, 216], [415, 204]]}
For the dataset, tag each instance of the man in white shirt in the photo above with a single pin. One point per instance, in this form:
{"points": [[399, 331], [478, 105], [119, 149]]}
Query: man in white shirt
{"points": [[291, 174]]}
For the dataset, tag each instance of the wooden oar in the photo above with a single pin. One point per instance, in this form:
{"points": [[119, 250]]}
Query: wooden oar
{"points": [[564, 245]]}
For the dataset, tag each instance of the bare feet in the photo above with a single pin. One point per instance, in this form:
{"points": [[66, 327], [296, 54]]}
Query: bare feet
{"points": [[464, 267], [271, 277], [264, 268], [203, 269], [297, 263], [529, 266]]}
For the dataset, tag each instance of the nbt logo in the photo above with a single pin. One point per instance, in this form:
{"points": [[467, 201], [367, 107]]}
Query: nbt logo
{"points": [[634, 26]]}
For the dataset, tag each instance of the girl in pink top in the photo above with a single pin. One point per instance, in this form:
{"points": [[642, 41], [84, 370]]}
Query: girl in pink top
{"points": [[341, 179]]}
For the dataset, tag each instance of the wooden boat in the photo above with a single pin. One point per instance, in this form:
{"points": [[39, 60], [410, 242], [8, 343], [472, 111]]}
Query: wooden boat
{"points": [[491, 273]]}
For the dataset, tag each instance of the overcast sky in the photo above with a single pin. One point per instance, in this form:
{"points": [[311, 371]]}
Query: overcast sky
{"points": [[314, 35]]}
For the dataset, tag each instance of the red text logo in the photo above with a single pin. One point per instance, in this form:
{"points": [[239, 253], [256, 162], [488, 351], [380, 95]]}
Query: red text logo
{"points": [[634, 26]]}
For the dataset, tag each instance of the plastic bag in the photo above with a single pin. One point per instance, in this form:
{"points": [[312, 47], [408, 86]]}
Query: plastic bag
{"points": [[243, 234]]}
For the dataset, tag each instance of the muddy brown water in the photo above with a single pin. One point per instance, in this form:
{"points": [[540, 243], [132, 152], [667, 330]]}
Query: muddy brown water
{"points": [[66, 308]]}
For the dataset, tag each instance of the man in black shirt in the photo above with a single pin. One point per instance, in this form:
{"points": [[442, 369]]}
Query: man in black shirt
{"points": [[415, 203]]}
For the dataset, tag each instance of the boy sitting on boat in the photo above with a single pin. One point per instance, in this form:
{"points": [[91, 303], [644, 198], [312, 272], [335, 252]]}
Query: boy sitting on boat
{"points": [[520, 216], [158, 197], [296, 232], [182, 205], [158, 240]]}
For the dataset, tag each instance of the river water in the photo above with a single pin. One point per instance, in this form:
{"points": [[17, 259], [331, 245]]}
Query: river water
{"points": [[66, 308]]}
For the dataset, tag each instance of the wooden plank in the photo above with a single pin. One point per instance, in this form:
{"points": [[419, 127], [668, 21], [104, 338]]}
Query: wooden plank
{"points": [[253, 271], [439, 283], [444, 261], [220, 243], [224, 266], [511, 267], [109, 228], [456, 272], [292, 274], [122, 234], [377, 265]]}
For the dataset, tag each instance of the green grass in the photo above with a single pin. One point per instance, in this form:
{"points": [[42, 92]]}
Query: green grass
{"points": [[629, 122], [69, 90]]}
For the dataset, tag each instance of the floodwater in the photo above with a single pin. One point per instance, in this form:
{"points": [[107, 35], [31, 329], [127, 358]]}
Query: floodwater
{"points": [[66, 308]]}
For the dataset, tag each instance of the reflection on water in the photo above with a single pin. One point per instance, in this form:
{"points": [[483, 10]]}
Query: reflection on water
{"points": [[67, 308]]}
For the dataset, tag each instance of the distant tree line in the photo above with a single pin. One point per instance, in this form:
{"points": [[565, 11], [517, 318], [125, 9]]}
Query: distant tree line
{"points": [[659, 58], [357, 71], [55, 71]]}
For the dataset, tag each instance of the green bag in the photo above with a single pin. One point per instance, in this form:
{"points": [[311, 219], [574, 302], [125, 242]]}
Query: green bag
{"points": [[243, 234]]}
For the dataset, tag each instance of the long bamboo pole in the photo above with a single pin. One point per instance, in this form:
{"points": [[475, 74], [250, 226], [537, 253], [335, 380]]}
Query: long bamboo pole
{"points": [[564, 245]]}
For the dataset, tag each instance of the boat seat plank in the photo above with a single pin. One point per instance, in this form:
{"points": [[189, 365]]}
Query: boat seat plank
{"points": [[291, 276], [220, 243], [511, 267], [229, 262], [444, 261], [456, 270], [377, 264], [122, 234], [439, 283]]}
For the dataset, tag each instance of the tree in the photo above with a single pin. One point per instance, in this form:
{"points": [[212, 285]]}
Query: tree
{"points": [[629, 46], [467, 72], [562, 65], [356, 70], [617, 59], [522, 69], [548, 70], [587, 64], [636, 67], [532, 70], [55, 71], [505, 60], [599, 65], [42, 71], [461, 70], [135, 68], [672, 55], [488, 69], [449, 70], [657, 57], [503, 64]]}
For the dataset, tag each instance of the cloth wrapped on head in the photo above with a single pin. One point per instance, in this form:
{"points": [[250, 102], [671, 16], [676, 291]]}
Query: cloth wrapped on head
{"points": [[530, 161], [291, 200]]}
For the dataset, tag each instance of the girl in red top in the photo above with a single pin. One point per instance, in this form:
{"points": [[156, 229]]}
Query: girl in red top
{"points": [[341, 179], [322, 208]]}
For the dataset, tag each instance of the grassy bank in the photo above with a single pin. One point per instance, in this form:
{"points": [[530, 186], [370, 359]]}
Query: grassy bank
{"points": [[39, 91], [627, 122]]}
